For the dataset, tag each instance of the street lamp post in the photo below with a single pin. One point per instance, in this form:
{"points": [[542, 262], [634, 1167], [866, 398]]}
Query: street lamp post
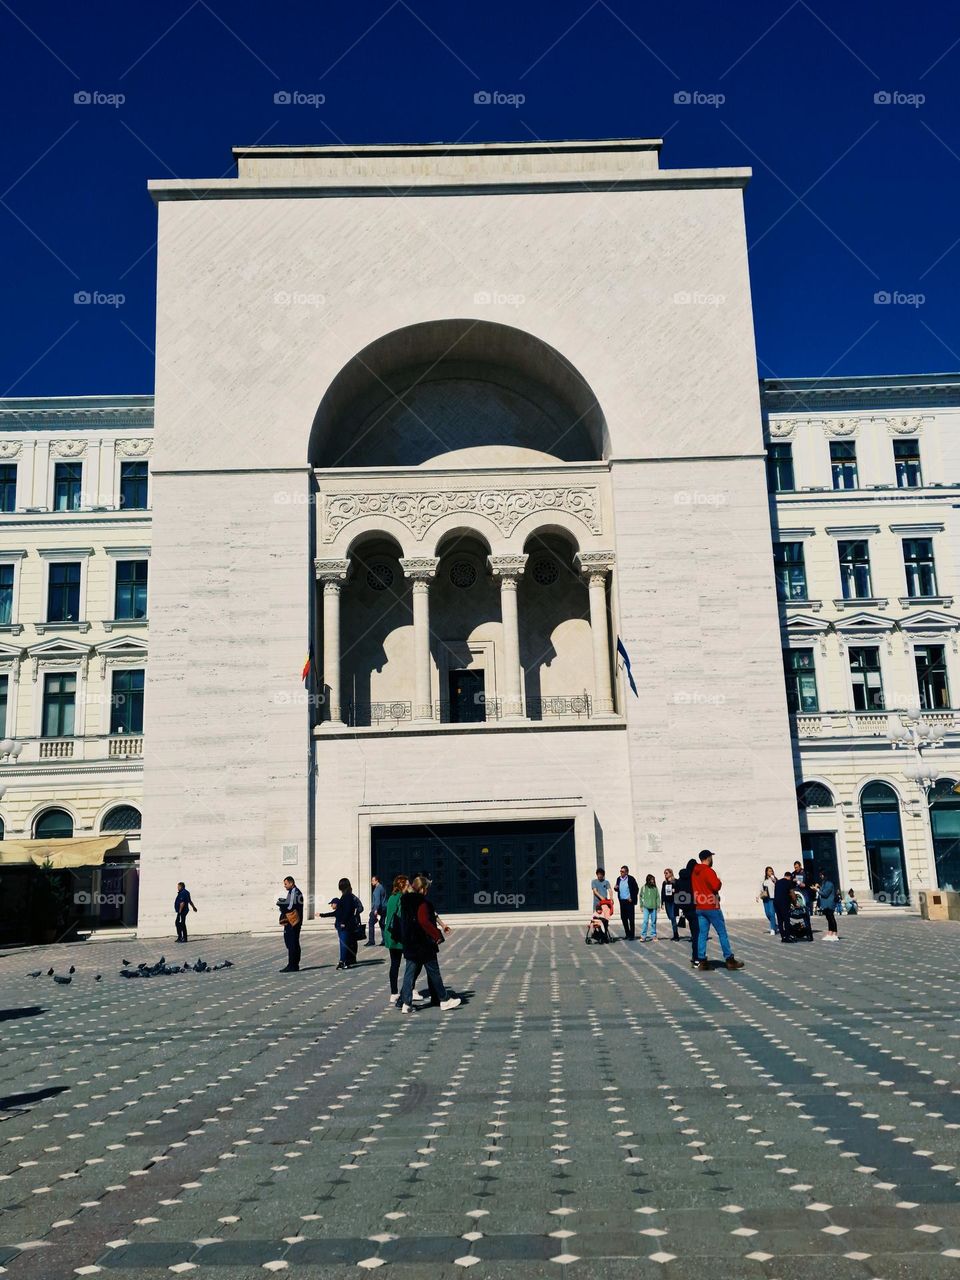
{"points": [[914, 733]]}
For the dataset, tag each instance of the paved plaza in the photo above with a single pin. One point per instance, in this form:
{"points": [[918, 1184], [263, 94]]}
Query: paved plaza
{"points": [[599, 1111]]}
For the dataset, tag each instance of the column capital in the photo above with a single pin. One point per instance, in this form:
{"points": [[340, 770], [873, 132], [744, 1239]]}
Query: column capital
{"points": [[332, 570], [593, 563], [507, 567], [419, 568]]}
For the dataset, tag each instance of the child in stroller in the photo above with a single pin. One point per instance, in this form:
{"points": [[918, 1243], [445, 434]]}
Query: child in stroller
{"points": [[800, 927], [598, 930]]}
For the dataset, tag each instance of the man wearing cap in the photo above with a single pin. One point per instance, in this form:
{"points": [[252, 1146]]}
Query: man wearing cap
{"points": [[706, 896]]}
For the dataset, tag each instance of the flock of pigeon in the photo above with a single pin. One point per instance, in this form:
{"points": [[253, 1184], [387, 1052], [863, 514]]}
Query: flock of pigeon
{"points": [[142, 970]]}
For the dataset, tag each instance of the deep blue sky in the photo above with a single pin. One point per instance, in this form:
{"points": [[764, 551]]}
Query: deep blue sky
{"points": [[882, 182]]}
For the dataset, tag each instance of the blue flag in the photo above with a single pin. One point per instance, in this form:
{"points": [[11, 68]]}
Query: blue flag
{"points": [[625, 659]]}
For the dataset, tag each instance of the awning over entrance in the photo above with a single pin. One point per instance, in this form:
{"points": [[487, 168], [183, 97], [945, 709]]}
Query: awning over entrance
{"points": [[62, 855]]}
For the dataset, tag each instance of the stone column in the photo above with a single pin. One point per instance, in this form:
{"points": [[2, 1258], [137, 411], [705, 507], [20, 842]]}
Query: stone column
{"points": [[509, 570], [595, 565], [333, 574], [421, 571]]}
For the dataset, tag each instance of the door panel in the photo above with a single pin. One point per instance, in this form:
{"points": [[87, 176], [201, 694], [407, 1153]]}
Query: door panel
{"points": [[527, 866]]}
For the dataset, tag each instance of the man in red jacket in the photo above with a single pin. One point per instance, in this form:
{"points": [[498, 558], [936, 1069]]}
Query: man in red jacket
{"points": [[706, 896]]}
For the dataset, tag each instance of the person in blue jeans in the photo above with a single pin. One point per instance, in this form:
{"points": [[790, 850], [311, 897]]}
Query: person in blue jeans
{"points": [[767, 890], [347, 915], [706, 894]]}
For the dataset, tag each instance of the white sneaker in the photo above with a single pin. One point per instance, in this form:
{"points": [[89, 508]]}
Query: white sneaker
{"points": [[406, 1008], [392, 999], [773, 933], [452, 1002], [417, 998]]}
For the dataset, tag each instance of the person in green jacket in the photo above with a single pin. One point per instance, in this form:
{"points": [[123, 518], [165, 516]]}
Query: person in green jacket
{"points": [[391, 934], [649, 902]]}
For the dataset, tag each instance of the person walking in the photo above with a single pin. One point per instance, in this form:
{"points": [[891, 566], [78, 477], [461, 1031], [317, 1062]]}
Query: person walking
{"points": [[392, 937], [181, 905], [686, 904], [828, 906], [378, 907], [767, 890], [668, 892], [291, 917], [422, 938], [347, 916], [627, 893], [706, 895], [649, 902], [783, 904]]}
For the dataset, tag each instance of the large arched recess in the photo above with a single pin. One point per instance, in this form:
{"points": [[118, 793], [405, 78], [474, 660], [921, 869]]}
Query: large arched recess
{"points": [[460, 393]]}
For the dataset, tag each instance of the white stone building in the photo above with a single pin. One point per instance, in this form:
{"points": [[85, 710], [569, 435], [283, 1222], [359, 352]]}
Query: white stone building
{"points": [[450, 420], [74, 556]]}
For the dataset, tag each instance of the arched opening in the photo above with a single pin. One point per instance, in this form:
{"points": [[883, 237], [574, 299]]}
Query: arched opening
{"points": [[883, 838], [123, 817], [375, 612], [466, 631], [53, 824], [556, 644], [457, 393], [814, 795], [945, 826]]}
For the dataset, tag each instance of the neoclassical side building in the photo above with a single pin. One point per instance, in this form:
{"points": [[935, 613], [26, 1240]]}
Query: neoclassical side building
{"points": [[440, 425]]}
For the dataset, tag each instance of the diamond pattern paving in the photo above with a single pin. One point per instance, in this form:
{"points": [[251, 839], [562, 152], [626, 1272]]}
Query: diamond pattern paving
{"points": [[596, 1111]]}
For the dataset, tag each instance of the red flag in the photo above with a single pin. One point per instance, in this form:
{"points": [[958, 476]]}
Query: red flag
{"points": [[306, 670]]}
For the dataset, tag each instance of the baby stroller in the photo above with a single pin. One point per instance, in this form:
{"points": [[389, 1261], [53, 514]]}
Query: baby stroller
{"points": [[598, 930], [799, 918]]}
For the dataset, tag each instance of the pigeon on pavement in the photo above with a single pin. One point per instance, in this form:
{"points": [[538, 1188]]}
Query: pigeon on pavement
{"points": [[36, 973], [64, 982]]}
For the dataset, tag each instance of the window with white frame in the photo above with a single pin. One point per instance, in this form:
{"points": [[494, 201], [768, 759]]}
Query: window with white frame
{"points": [[919, 568], [854, 558], [931, 664], [866, 677], [906, 457], [63, 591], [843, 464], [59, 704], [801, 677]]}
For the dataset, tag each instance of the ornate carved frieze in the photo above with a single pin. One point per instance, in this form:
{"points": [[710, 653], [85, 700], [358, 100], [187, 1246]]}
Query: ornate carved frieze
{"points": [[846, 427], [840, 428], [595, 562], [10, 448], [420, 509], [782, 428], [68, 448], [138, 448], [905, 424], [332, 570]]}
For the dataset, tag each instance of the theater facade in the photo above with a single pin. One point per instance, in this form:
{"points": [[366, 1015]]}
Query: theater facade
{"points": [[440, 435]]}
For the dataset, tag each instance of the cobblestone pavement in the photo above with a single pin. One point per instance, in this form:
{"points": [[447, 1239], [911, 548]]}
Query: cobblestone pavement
{"points": [[602, 1110]]}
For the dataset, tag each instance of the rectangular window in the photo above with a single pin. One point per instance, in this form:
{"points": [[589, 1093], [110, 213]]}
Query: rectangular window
{"points": [[133, 486], [126, 702], [4, 695], [918, 566], [67, 486], [791, 574], [59, 704], [780, 468], [63, 592], [932, 676], [801, 680], [131, 593], [867, 679], [855, 569], [6, 594], [843, 464], [906, 456], [8, 486]]}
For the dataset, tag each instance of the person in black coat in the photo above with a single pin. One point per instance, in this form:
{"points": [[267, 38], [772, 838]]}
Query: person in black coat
{"points": [[784, 894], [683, 897], [422, 936], [627, 891], [347, 912]]}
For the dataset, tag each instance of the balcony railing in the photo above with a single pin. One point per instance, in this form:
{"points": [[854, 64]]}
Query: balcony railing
{"points": [[577, 706], [862, 724], [117, 746]]}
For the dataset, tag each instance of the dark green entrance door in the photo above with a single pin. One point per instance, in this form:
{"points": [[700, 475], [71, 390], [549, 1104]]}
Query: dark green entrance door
{"points": [[467, 697], [820, 857], [491, 866]]}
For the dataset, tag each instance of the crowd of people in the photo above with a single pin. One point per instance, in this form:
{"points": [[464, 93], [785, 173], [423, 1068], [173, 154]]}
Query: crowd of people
{"points": [[789, 901], [690, 900], [409, 926]]}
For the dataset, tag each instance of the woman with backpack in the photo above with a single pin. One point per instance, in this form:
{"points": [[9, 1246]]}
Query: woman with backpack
{"points": [[391, 934], [347, 918], [422, 937], [767, 889]]}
